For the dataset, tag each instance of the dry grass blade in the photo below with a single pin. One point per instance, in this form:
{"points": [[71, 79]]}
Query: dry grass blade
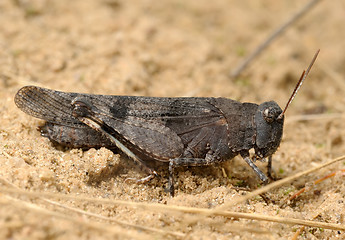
{"points": [[301, 229], [189, 210], [273, 36], [220, 211], [124, 224], [314, 183], [116, 231], [274, 185], [235, 228]]}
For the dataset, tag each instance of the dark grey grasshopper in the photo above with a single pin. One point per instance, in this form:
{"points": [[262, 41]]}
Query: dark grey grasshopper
{"points": [[191, 131]]}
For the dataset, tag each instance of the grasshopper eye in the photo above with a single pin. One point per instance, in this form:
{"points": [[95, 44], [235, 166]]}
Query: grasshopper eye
{"points": [[270, 114]]}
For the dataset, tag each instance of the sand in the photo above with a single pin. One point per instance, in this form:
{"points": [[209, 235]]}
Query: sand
{"points": [[169, 48]]}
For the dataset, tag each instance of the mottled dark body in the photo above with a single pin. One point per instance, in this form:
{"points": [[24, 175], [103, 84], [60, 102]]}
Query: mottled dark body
{"points": [[75, 137], [181, 131]]}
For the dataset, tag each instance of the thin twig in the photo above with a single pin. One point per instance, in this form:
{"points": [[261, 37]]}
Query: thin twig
{"points": [[298, 193], [274, 185], [301, 229], [101, 227], [122, 223], [77, 210], [190, 210], [273, 36], [203, 213]]}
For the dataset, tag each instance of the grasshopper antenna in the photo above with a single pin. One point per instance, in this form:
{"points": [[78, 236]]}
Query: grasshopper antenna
{"points": [[299, 84]]}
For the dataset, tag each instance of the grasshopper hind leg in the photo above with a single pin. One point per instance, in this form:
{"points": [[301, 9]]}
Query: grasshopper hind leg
{"points": [[82, 111]]}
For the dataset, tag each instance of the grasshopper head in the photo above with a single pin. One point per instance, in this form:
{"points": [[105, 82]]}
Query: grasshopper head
{"points": [[269, 120], [269, 128]]}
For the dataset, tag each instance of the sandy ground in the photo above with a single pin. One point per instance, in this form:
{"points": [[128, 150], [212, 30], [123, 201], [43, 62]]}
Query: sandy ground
{"points": [[169, 48]]}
